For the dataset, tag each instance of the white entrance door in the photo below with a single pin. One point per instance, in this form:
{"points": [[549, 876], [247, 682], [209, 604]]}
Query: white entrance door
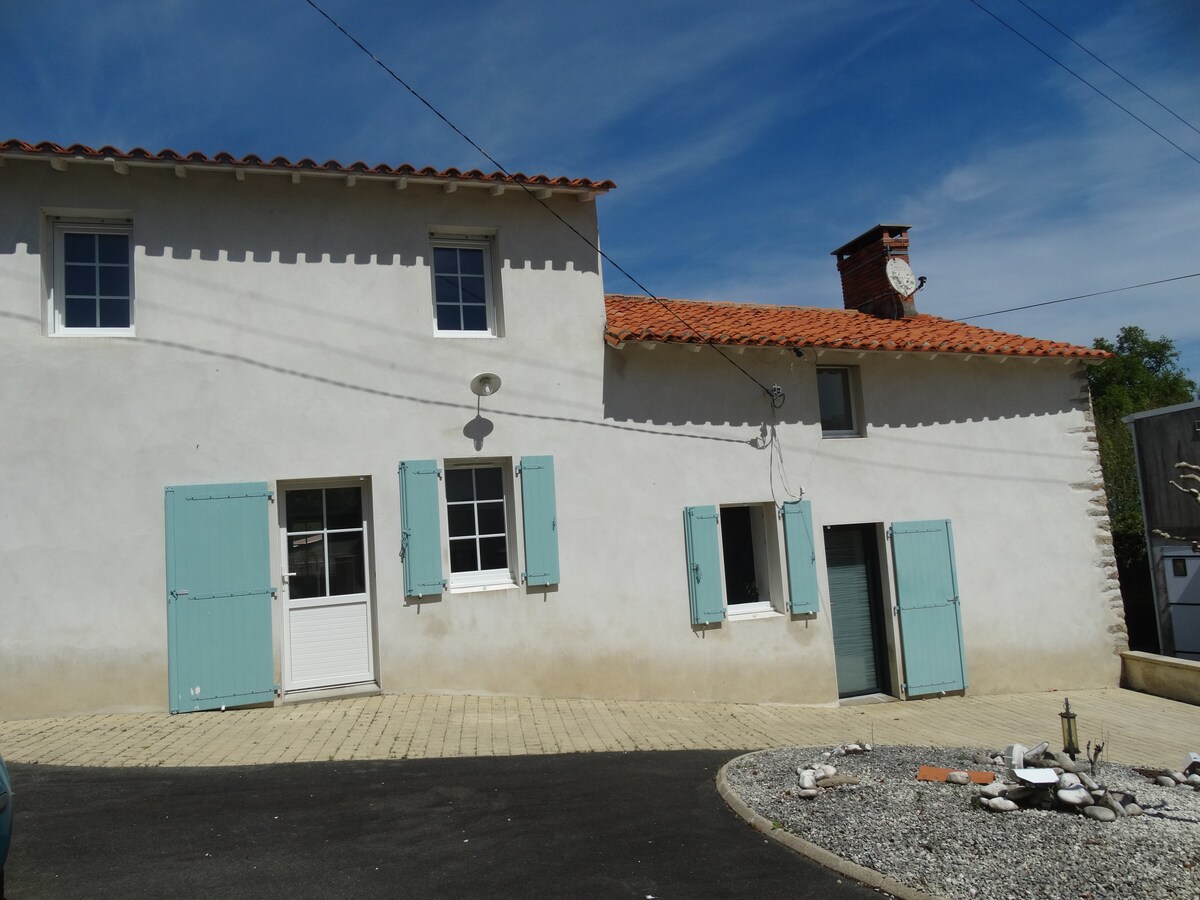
{"points": [[327, 611]]}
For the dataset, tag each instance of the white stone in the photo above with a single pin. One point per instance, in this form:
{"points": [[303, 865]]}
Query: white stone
{"points": [[1165, 781], [1066, 780], [808, 779], [1179, 777], [1133, 810], [993, 790], [1037, 752], [958, 778], [807, 793], [826, 770], [1100, 813], [1086, 780], [1194, 778], [1001, 804], [1074, 796]]}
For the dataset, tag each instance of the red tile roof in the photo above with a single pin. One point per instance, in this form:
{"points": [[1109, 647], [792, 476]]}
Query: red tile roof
{"points": [[279, 163], [750, 325]]}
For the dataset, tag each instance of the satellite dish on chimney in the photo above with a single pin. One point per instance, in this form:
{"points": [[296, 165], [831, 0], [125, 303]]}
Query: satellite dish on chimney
{"points": [[485, 384]]}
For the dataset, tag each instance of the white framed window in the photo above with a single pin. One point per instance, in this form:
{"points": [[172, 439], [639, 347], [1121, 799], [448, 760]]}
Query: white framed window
{"points": [[92, 285], [479, 524], [838, 396], [750, 560], [464, 303]]}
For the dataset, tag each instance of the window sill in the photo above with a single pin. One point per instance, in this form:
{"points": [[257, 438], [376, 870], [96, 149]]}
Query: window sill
{"points": [[93, 332], [841, 435], [475, 335], [479, 588], [734, 616]]}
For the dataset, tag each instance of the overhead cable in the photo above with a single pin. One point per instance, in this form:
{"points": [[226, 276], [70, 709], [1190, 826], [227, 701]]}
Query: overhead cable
{"points": [[1075, 74], [774, 392], [1131, 287]]}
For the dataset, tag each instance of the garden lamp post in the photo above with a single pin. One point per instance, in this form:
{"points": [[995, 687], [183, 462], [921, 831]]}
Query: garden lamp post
{"points": [[1070, 730]]}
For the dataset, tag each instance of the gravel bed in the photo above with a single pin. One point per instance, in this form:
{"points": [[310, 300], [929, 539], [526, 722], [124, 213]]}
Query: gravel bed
{"points": [[929, 836]]}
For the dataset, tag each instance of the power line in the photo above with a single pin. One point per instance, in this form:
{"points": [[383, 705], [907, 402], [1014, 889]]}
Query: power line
{"points": [[1075, 74], [1145, 94], [775, 393], [1131, 287]]}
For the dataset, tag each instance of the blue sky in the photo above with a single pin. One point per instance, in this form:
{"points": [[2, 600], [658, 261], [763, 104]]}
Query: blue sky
{"points": [[747, 140]]}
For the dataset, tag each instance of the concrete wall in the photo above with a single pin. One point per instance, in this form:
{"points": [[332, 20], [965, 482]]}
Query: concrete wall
{"points": [[284, 332]]}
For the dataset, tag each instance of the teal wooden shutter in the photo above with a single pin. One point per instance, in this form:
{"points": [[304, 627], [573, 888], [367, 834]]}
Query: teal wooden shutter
{"points": [[420, 543], [801, 556], [702, 541], [540, 519], [927, 595], [219, 593]]}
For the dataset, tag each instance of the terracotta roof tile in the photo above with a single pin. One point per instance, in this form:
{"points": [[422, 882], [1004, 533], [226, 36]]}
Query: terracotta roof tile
{"points": [[168, 156], [630, 318]]}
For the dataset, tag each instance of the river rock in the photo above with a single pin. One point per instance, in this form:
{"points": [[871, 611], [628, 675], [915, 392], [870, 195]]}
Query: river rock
{"points": [[1001, 804], [1019, 792], [807, 793], [1075, 796], [1100, 813], [1165, 781], [824, 771], [1068, 779], [1036, 752], [1133, 810], [1067, 764], [1194, 779], [993, 790], [1179, 777], [808, 779], [1113, 803], [837, 781], [958, 778]]}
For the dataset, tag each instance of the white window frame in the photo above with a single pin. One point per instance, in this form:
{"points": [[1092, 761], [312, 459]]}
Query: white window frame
{"points": [[767, 541], [489, 279], [483, 579], [62, 225], [853, 402]]}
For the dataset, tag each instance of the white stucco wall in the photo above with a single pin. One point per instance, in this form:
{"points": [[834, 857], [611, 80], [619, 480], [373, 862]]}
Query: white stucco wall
{"points": [[284, 332]]}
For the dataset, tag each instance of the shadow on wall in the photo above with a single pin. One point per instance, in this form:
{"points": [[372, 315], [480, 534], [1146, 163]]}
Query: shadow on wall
{"points": [[268, 219], [680, 385]]}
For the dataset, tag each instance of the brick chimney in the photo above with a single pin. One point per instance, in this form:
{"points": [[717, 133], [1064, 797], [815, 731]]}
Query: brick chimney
{"points": [[867, 284]]}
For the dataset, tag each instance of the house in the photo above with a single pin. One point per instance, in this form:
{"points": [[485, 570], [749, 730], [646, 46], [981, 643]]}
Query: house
{"points": [[1163, 439], [279, 430]]}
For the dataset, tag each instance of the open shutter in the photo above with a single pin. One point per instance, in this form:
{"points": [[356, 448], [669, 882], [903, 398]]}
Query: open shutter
{"points": [[801, 557], [927, 598], [540, 519], [219, 596], [702, 542], [420, 544]]}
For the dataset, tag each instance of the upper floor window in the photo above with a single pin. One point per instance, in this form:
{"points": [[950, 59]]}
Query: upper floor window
{"points": [[462, 290], [93, 279], [837, 393]]}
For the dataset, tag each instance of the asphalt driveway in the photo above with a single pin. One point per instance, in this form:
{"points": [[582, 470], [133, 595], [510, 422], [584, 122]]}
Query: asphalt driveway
{"points": [[593, 825]]}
